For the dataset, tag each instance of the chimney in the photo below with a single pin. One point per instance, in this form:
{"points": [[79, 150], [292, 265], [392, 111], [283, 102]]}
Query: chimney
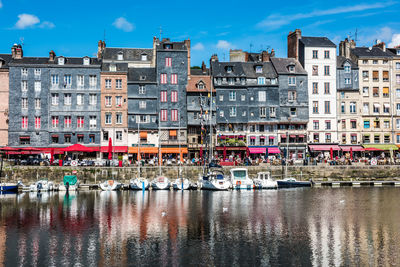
{"points": [[52, 56], [345, 47], [381, 45], [101, 45], [293, 44], [17, 52], [203, 67], [187, 44]]}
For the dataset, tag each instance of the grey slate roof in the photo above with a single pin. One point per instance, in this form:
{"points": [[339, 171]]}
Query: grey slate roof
{"points": [[135, 74], [199, 72], [243, 69], [317, 42], [120, 67], [6, 58], [281, 65], [174, 45], [45, 60], [368, 53], [340, 60], [393, 52], [129, 54]]}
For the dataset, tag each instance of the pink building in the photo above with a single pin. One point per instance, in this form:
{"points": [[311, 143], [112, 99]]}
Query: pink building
{"points": [[4, 90]]}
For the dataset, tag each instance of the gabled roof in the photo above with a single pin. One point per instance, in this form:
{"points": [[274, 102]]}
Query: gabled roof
{"points": [[174, 45], [317, 42], [135, 75], [129, 54], [281, 66], [393, 52], [340, 61], [199, 72], [6, 58], [243, 69], [366, 52]]}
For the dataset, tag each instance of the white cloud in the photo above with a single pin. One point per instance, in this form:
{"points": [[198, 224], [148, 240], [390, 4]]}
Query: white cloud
{"points": [[275, 21], [395, 40], [1, 4], [26, 20], [47, 25], [122, 24], [222, 44], [198, 47]]}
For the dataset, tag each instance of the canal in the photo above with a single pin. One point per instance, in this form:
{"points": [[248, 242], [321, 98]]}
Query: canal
{"points": [[294, 227]]}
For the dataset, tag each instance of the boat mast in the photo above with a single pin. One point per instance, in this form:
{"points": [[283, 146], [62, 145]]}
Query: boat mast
{"points": [[159, 143], [179, 145], [138, 152], [211, 130], [287, 152]]}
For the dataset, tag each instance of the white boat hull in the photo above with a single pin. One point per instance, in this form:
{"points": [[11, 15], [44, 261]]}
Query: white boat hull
{"points": [[181, 184], [266, 184], [161, 183], [62, 187], [42, 186], [110, 185], [139, 184], [218, 185], [243, 184]]}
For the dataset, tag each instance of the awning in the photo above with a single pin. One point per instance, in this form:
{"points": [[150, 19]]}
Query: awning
{"points": [[292, 136], [116, 149], [144, 150], [386, 105], [353, 148], [235, 148], [143, 135], [257, 150], [175, 150], [283, 136], [78, 148], [262, 137], [252, 137], [377, 105], [324, 147], [273, 150], [54, 135], [24, 137], [172, 132], [272, 137], [386, 147]]}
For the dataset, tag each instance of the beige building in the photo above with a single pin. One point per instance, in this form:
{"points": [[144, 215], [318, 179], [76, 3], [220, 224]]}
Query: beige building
{"points": [[395, 85], [4, 90]]}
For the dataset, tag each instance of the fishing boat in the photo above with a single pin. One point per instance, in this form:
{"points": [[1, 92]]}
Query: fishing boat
{"points": [[264, 181], [292, 182], [70, 183], [240, 179], [139, 184], [161, 183], [181, 184], [9, 187], [41, 186], [215, 180], [110, 185]]}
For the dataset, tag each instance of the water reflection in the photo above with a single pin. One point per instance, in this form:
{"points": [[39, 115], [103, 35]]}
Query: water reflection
{"points": [[301, 227]]}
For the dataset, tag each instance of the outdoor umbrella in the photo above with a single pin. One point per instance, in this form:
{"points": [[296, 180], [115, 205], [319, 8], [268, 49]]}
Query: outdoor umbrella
{"points": [[7, 148], [201, 152], [224, 153], [351, 153], [247, 152], [51, 156], [109, 148], [331, 153], [77, 148]]}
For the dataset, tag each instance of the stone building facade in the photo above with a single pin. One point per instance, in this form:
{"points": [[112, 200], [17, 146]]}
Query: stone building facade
{"points": [[4, 95], [395, 92]]}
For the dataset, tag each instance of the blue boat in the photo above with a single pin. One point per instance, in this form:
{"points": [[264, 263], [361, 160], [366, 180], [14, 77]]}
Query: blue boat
{"points": [[291, 182], [10, 187]]}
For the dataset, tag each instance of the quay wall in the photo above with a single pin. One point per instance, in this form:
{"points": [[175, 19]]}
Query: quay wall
{"points": [[91, 175]]}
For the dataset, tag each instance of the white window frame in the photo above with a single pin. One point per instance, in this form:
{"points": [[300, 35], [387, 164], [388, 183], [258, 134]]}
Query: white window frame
{"points": [[108, 118], [262, 96], [142, 104], [118, 101], [232, 96], [92, 99], [232, 112], [54, 99], [37, 103], [118, 118], [142, 90], [80, 99], [67, 99], [261, 80]]}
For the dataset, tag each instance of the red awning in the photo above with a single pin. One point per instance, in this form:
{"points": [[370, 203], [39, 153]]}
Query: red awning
{"points": [[116, 149], [292, 136], [252, 137], [274, 150], [301, 135], [283, 136], [77, 148], [257, 150], [7, 148], [262, 137], [324, 147], [272, 137], [354, 148], [372, 149]]}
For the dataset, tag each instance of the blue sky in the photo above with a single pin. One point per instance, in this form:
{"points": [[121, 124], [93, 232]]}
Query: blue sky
{"points": [[72, 28]]}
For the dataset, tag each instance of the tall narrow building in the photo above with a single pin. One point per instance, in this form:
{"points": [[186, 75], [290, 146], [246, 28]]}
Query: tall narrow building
{"points": [[4, 94]]}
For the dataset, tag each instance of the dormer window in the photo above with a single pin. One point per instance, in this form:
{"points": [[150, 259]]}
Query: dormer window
{"points": [[167, 46], [291, 68], [61, 61], [261, 80], [201, 86], [142, 77], [113, 67], [398, 52], [120, 56], [258, 69], [144, 57], [347, 68], [86, 61], [228, 69]]}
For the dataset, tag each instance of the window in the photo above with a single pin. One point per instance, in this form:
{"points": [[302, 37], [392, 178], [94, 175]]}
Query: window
{"points": [[79, 99], [24, 72], [262, 96], [174, 96], [386, 124], [398, 109], [386, 108], [142, 77], [221, 113], [229, 69], [344, 138], [377, 139], [24, 122], [316, 125], [347, 68], [398, 52], [292, 96], [261, 81], [81, 81], [174, 115], [105, 136], [54, 139], [377, 124], [118, 118], [168, 62], [328, 138], [252, 141], [232, 96], [398, 65], [80, 121], [67, 81], [108, 118], [353, 138], [327, 107], [375, 62], [326, 71], [291, 68], [200, 86], [343, 107], [113, 67], [67, 99], [221, 98], [118, 135], [24, 103], [120, 56], [174, 78], [67, 121], [315, 88], [92, 121], [108, 83], [315, 107], [316, 138], [142, 90], [315, 70], [327, 125], [366, 91], [292, 81], [385, 91], [366, 108], [80, 138], [385, 76], [375, 76], [272, 112], [397, 78], [164, 115], [92, 99], [86, 61], [54, 80], [397, 123], [366, 139], [232, 111], [293, 112], [108, 101], [142, 104], [347, 81], [326, 54], [376, 107], [219, 81], [67, 139], [327, 89], [37, 103], [258, 69], [263, 112], [54, 99], [163, 97], [315, 54], [24, 86], [118, 101], [353, 124], [352, 107], [143, 57], [375, 91], [366, 124], [118, 83], [38, 86], [92, 81], [92, 138], [365, 75], [163, 78], [343, 124], [54, 121], [386, 138]]}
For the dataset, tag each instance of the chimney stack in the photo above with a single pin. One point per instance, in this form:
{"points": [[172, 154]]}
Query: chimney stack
{"points": [[381, 45], [17, 52], [101, 45], [52, 56], [345, 47], [203, 67], [187, 44], [293, 44]]}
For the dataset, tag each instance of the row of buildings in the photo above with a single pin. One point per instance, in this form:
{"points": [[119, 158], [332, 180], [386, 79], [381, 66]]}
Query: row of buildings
{"points": [[150, 98]]}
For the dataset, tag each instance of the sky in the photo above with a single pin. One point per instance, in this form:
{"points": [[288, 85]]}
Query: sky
{"points": [[73, 28]]}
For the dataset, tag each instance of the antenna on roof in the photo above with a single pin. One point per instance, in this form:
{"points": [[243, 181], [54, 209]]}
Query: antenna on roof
{"points": [[251, 46], [224, 56], [160, 33], [104, 37], [21, 41], [355, 36]]}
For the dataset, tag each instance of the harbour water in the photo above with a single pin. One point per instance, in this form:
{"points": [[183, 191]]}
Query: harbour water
{"points": [[291, 227]]}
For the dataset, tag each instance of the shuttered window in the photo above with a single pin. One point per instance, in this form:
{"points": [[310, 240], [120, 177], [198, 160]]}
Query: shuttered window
{"points": [[375, 75], [385, 76]]}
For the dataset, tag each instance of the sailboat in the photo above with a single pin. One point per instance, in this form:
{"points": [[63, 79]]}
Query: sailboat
{"points": [[180, 183], [139, 183], [160, 182], [111, 184]]}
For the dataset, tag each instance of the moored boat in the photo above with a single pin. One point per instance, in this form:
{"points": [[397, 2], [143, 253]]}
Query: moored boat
{"points": [[110, 185], [264, 181], [181, 184], [9, 187], [161, 183], [139, 184], [214, 180], [292, 182], [70, 183], [41, 186], [240, 179]]}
